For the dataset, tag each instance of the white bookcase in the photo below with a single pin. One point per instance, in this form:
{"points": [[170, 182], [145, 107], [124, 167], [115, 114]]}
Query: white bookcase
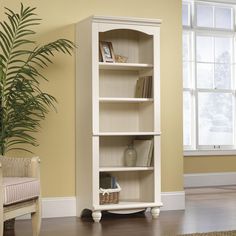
{"points": [[109, 116]]}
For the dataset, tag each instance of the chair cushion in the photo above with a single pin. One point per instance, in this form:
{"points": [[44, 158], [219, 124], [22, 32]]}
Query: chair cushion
{"points": [[17, 189]]}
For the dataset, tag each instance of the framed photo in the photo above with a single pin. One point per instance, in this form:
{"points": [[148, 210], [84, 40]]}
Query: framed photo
{"points": [[107, 52]]}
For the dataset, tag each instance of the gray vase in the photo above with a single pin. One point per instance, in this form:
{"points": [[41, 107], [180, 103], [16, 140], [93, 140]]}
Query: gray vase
{"points": [[130, 156]]}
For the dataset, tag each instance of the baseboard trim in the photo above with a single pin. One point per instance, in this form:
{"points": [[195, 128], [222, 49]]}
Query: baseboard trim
{"points": [[57, 207], [66, 206], [173, 201], [209, 179]]}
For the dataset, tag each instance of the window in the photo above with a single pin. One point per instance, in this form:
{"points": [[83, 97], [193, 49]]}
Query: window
{"points": [[208, 76]]}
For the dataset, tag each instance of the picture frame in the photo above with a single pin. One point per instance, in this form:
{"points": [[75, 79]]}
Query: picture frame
{"points": [[107, 52]]}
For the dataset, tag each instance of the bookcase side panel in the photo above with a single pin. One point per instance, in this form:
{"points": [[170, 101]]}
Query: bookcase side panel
{"points": [[157, 168], [83, 116], [156, 81]]}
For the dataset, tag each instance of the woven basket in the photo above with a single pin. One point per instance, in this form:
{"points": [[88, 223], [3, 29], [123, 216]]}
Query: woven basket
{"points": [[109, 196]]}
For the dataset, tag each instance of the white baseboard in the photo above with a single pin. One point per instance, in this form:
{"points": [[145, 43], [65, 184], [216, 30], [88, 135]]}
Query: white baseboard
{"points": [[57, 207], [209, 179], [173, 201], [66, 206]]}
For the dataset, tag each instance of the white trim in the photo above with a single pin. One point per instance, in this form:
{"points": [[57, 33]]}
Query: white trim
{"points": [[226, 2], [209, 179], [66, 206], [173, 201], [57, 207], [198, 152], [126, 20]]}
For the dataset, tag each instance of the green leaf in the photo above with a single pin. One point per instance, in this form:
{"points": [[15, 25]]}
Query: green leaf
{"points": [[22, 102]]}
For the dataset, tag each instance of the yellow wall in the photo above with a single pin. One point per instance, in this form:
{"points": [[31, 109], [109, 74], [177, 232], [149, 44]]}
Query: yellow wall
{"points": [[57, 137], [206, 164]]}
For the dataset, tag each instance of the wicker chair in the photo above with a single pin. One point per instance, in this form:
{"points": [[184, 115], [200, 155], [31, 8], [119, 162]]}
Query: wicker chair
{"points": [[20, 188]]}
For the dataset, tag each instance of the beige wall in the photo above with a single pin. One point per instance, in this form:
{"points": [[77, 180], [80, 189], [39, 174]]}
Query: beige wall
{"points": [[205, 164], [57, 137]]}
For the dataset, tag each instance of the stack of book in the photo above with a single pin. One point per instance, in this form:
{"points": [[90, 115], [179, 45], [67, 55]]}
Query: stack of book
{"points": [[144, 87], [106, 181], [144, 149]]}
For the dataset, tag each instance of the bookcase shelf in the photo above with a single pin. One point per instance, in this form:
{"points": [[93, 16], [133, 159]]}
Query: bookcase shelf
{"points": [[128, 205], [119, 169], [128, 100], [124, 66], [127, 134], [122, 205], [118, 105]]}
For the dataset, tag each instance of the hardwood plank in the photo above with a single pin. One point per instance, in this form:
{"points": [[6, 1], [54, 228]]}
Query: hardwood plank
{"points": [[207, 209]]}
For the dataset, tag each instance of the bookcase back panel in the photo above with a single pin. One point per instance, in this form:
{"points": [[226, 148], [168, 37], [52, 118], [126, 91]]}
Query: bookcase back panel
{"points": [[111, 150], [117, 83], [133, 187], [145, 49], [126, 117], [146, 120], [118, 117], [147, 186], [135, 45]]}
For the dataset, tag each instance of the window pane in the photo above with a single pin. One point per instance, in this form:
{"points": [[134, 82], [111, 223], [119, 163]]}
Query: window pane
{"points": [[185, 14], [222, 76], [205, 75], [223, 49], [215, 119], [223, 18], [186, 47], [187, 118], [204, 16], [187, 75], [205, 46]]}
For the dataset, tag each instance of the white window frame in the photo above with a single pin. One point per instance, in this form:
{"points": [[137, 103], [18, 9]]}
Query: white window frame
{"points": [[204, 150]]}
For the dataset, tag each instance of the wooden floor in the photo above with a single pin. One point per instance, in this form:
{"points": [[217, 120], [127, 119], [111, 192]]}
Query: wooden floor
{"points": [[207, 209]]}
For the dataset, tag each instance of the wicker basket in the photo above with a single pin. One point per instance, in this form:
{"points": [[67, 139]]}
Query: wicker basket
{"points": [[109, 196]]}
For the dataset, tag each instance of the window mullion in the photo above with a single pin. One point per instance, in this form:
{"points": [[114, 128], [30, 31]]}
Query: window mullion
{"points": [[195, 97]]}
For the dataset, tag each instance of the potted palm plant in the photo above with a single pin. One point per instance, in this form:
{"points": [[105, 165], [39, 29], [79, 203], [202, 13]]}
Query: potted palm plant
{"points": [[22, 102]]}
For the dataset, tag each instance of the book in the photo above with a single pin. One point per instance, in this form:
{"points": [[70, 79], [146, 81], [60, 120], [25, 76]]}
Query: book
{"points": [[149, 89], [139, 88], [105, 181], [150, 154], [113, 182], [144, 87], [142, 147]]}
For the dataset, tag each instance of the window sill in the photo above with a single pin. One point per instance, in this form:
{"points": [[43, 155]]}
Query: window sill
{"points": [[231, 152]]}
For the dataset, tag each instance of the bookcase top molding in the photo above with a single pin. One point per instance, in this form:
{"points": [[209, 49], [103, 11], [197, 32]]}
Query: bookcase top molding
{"points": [[126, 20]]}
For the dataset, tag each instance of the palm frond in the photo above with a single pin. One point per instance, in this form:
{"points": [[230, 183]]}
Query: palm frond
{"points": [[22, 103]]}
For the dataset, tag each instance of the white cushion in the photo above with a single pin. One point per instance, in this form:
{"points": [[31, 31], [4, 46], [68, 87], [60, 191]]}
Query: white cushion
{"points": [[17, 189]]}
